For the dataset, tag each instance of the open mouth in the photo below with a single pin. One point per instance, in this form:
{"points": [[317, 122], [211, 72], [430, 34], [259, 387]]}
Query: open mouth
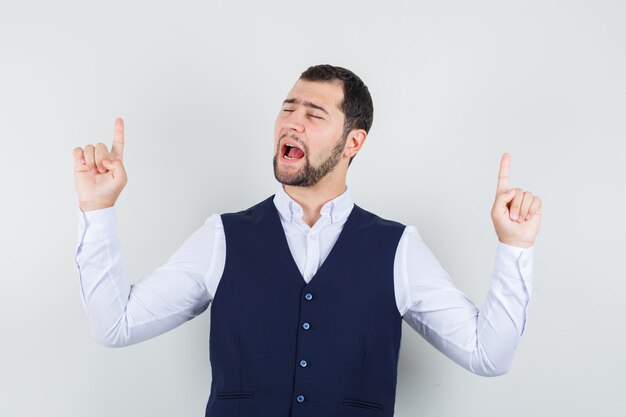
{"points": [[291, 152]]}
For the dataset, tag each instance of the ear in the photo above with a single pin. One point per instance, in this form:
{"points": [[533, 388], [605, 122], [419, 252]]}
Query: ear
{"points": [[354, 142]]}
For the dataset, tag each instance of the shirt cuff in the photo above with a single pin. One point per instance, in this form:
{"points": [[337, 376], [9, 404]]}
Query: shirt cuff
{"points": [[515, 262], [97, 225]]}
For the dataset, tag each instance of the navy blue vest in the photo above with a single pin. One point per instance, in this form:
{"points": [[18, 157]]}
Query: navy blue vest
{"points": [[280, 347]]}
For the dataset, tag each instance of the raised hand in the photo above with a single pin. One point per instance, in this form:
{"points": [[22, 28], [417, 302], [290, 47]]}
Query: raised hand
{"points": [[516, 213], [99, 175]]}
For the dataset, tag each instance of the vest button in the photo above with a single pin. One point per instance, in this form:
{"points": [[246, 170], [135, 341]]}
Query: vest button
{"points": [[308, 296], [300, 398], [306, 326], [303, 363]]}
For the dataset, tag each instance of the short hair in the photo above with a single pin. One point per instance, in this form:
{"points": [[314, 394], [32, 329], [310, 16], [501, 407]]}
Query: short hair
{"points": [[357, 105]]}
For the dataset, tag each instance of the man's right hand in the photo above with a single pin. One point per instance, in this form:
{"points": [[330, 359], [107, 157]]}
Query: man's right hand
{"points": [[99, 175]]}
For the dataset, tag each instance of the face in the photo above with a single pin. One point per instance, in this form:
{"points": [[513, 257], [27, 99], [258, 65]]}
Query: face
{"points": [[308, 133]]}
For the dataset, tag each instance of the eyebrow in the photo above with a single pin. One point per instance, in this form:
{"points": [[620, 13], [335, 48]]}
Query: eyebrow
{"points": [[305, 103]]}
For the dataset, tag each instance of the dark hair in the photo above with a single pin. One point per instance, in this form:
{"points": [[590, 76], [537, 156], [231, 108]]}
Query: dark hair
{"points": [[357, 103]]}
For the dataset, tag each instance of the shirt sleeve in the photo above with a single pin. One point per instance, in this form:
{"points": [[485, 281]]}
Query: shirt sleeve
{"points": [[482, 341], [122, 314]]}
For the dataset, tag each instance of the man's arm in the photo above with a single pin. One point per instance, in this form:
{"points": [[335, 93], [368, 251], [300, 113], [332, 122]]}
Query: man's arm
{"points": [[121, 314], [481, 341]]}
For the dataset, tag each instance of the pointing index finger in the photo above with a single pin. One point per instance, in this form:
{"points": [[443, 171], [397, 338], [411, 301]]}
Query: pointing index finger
{"points": [[503, 175], [117, 150]]}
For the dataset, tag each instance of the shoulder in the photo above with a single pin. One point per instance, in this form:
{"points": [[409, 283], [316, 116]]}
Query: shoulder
{"points": [[370, 219], [261, 217], [252, 213]]}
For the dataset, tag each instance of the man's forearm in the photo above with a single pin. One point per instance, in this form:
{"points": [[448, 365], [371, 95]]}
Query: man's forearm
{"points": [[121, 314]]}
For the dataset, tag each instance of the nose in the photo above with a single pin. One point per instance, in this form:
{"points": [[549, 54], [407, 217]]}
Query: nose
{"points": [[293, 121]]}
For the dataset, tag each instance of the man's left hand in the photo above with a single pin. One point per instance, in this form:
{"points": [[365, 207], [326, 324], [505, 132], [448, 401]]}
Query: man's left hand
{"points": [[516, 213]]}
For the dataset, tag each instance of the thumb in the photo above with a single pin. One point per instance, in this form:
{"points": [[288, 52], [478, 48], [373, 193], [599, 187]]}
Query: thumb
{"points": [[504, 198], [117, 169]]}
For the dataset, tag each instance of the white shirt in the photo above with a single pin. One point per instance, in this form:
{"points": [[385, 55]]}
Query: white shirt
{"points": [[121, 314]]}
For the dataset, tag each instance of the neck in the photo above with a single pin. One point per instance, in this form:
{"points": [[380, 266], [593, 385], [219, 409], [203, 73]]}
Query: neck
{"points": [[313, 198]]}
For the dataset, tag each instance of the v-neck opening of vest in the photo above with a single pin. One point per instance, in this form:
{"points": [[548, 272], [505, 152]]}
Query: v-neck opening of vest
{"points": [[331, 255]]}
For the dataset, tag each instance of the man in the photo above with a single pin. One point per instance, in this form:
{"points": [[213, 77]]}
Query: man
{"points": [[308, 290]]}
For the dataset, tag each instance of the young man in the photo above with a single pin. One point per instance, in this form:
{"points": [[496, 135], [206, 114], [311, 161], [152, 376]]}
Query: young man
{"points": [[308, 290]]}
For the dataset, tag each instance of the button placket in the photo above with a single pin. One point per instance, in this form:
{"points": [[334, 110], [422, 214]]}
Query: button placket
{"points": [[302, 362]]}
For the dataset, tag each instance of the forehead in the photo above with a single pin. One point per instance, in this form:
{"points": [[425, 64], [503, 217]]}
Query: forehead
{"points": [[328, 94]]}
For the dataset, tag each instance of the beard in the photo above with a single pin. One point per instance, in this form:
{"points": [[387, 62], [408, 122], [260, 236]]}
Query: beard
{"points": [[309, 174]]}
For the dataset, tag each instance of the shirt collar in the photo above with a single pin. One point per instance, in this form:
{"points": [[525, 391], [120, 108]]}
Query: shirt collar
{"points": [[337, 209]]}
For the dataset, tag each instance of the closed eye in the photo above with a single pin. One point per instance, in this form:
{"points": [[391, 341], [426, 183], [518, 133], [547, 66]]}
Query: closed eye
{"points": [[309, 115]]}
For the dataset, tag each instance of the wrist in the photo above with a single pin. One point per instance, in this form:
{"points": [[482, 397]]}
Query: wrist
{"points": [[517, 243], [84, 207]]}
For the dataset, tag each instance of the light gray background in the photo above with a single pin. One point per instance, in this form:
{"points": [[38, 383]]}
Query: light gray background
{"points": [[455, 84]]}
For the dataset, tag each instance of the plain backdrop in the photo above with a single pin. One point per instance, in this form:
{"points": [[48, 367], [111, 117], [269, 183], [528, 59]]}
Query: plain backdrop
{"points": [[199, 83]]}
